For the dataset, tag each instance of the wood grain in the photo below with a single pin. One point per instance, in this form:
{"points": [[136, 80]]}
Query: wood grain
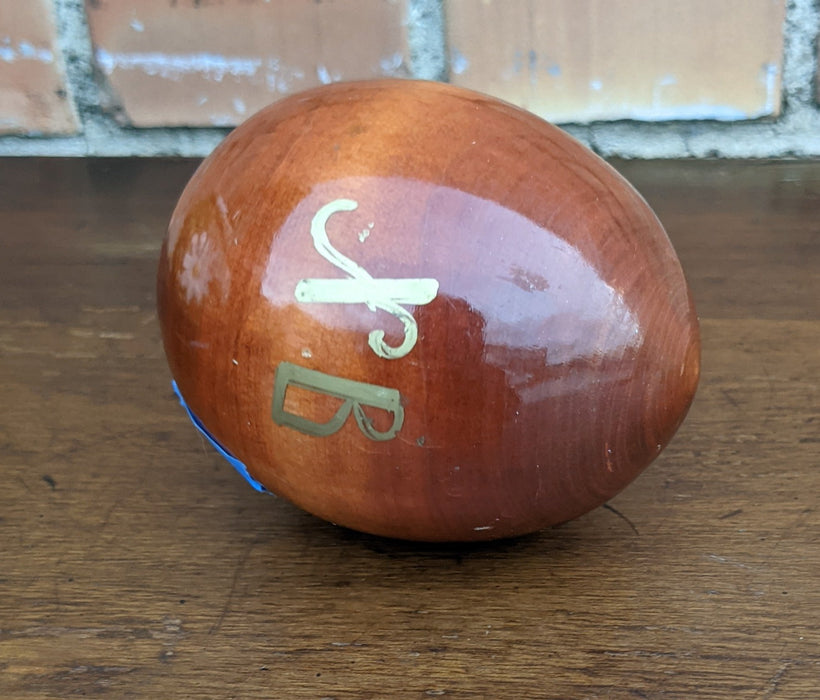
{"points": [[136, 564]]}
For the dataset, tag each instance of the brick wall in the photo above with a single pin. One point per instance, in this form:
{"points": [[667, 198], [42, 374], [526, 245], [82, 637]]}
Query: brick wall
{"points": [[632, 78]]}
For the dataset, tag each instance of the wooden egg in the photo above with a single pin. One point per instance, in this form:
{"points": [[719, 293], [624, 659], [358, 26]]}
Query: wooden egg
{"points": [[420, 312]]}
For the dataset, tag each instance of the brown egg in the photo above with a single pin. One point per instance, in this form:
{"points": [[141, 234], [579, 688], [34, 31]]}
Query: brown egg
{"points": [[421, 312]]}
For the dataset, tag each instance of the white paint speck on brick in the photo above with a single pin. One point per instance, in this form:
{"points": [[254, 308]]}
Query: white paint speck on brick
{"points": [[390, 65], [24, 51], [458, 62], [222, 119], [769, 75], [174, 66], [323, 74]]}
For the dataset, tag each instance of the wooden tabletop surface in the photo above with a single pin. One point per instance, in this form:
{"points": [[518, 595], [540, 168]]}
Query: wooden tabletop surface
{"points": [[135, 563]]}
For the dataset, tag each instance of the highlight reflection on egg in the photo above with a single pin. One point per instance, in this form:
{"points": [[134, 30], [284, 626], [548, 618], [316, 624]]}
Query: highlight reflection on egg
{"points": [[423, 313]]}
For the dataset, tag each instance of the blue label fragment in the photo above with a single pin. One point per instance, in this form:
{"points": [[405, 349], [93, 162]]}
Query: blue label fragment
{"points": [[233, 461]]}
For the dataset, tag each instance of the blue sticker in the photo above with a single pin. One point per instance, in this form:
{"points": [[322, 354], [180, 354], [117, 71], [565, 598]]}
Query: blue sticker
{"points": [[233, 461]]}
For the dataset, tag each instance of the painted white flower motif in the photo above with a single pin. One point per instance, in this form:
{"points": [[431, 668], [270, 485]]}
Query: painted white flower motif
{"points": [[197, 268]]}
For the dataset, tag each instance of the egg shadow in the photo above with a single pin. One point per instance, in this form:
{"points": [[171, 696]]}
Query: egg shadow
{"points": [[565, 539]]}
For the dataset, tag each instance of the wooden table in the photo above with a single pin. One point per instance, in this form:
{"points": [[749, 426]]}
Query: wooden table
{"points": [[135, 563]]}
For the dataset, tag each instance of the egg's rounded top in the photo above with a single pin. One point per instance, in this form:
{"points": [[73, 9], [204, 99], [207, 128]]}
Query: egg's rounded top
{"points": [[421, 312]]}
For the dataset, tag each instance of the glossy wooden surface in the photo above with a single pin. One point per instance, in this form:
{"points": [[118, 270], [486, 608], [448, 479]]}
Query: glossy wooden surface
{"points": [[544, 350], [135, 563]]}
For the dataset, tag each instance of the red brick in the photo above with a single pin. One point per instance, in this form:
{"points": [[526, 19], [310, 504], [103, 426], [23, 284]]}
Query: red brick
{"points": [[603, 59], [215, 63], [33, 92]]}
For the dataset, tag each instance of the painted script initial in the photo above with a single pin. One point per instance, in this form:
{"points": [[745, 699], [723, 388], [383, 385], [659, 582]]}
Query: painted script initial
{"points": [[361, 288]]}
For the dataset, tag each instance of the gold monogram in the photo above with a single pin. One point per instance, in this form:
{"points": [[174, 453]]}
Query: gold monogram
{"points": [[360, 287]]}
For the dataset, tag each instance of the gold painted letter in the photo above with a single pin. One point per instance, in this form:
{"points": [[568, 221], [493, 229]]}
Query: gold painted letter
{"points": [[356, 395]]}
